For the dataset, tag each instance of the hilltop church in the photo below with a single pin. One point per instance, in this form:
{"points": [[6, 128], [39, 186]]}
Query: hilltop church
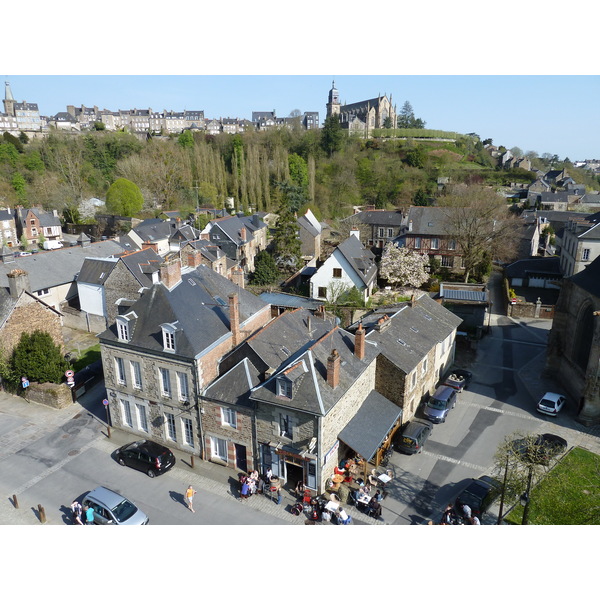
{"points": [[361, 117]]}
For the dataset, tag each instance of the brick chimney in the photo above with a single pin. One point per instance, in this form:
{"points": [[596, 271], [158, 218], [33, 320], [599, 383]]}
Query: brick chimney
{"points": [[18, 282], [150, 245], [194, 258], [359, 342], [333, 369], [170, 271], [234, 318], [237, 276], [243, 233]]}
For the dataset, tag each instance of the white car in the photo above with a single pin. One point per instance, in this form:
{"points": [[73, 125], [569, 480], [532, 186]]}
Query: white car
{"points": [[551, 404]]}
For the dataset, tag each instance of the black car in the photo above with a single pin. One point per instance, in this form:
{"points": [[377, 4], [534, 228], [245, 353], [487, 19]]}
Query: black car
{"points": [[541, 448], [412, 437], [479, 495], [459, 379], [144, 455]]}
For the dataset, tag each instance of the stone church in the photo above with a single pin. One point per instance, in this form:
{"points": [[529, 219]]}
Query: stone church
{"points": [[361, 117], [574, 342]]}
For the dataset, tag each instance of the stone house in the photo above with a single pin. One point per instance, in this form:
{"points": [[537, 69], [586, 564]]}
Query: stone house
{"points": [[23, 312], [8, 229], [573, 356], [349, 266], [580, 245], [161, 355], [377, 227]]}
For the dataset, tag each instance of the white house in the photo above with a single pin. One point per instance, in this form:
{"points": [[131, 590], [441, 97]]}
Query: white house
{"points": [[350, 265], [90, 284]]}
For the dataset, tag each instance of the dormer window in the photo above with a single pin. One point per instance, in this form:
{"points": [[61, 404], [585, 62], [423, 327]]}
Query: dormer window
{"points": [[123, 329], [168, 331], [284, 387]]}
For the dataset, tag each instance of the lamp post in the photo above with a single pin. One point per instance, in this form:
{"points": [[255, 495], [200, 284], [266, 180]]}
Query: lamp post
{"points": [[501, 509], [525, 498]]}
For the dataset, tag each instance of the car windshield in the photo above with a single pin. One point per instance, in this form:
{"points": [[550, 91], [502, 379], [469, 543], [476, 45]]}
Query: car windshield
{"points": [[548, 403], [436, 403], [124, 510]]}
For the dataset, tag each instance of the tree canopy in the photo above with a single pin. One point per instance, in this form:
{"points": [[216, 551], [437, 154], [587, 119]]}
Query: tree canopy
{"points": [[38, 358], [124, 198], [403, 266]]}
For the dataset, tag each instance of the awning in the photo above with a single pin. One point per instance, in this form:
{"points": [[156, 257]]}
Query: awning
{"points": [[370, 425]]}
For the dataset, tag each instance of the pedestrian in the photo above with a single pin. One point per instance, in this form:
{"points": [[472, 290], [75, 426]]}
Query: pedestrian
{"points": [[89, 514], [268, 475], [244, 491], [447, 516], [466, 511], [475, 520], [189, 497], [279, 496], [76, 512]]}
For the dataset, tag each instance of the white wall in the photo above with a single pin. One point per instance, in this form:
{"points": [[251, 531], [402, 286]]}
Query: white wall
{"points": [[324, 276], [91, 298]]}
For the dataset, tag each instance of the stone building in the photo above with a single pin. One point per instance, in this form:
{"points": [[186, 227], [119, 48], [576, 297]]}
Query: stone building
{"points": [[574, 343]]}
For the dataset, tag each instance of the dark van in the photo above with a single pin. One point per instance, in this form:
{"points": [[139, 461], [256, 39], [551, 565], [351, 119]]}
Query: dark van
{"points": [[411, 438], [439, 405]]}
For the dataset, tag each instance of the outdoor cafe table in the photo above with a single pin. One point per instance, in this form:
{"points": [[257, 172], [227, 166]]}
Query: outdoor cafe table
{"points": [[332, 506], [363, 500]]}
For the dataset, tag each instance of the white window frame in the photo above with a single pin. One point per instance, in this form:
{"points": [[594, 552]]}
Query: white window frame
{"points": [[188, 431], [183, 385], [435, 243], [283, 431], [217, 444], [123, 329], [121, 376], [585, 254], [165, 382], [142, 417], [136, 374], [126, 413], [168, 332], [228, 417], [284, 387], [451, 244], [424, 366], [170, 427], [417, 243], [413, 380]]}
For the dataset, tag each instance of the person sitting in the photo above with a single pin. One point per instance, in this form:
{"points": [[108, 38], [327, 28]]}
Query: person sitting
{"points": [[300, 489], [378, 496], [374, 509], [339, 471], [342, 517], [268, 475]]}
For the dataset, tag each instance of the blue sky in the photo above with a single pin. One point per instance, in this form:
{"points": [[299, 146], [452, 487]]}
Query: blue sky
{"points": [[555, 114]]}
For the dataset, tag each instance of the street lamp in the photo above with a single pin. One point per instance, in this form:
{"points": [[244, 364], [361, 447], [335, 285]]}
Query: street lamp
{"points": [[525, 498]]}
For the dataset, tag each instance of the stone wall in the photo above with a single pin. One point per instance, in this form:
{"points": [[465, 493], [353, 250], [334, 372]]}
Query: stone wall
{"points": [[79, 319], [54, 395], [119, 284]]}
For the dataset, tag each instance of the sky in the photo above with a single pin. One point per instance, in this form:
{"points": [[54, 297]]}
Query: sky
{"points": [[542, 113]]}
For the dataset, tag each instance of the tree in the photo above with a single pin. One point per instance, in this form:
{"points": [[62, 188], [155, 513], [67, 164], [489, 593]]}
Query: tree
{"points": [[403, 266], [407, 120], [124, 198], [286, 241], [478, 220], [332, 135], [186, 139], [388, 123], [265, 269], [99, 126], [38, 358]]}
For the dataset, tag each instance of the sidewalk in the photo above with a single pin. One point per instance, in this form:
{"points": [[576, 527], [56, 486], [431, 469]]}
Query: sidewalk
{"points": [[22, 423]]}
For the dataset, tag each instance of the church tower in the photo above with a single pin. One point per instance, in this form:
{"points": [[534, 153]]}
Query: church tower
{"points": [[333, 106], [9, 101]]}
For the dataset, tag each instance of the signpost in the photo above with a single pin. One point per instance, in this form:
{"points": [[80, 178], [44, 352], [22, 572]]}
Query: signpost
{"points": [[24, 382], [70, 378], [105, 402]]}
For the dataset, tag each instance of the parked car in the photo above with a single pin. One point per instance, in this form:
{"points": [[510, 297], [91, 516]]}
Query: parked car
{"points": [[111, 508], [541, 448], [411, 438], [459, 379], [551, 404], [479, 495], [438, 406], [144, 455]]}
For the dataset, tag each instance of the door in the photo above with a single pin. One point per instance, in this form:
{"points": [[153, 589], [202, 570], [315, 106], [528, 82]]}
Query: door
{"points": [[241, 461]]}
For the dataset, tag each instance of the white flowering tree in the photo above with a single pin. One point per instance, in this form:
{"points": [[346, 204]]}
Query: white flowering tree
{"points": [[404, 267]]}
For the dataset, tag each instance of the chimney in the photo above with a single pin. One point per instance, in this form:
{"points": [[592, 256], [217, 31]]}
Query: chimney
{"points": [[237, 276], [413, 300], [150, 245], [170, 271], [309, 325], [333, 369], [320, 312], [355, 232], [18, 282], [243, 233], [410, 225], [359, 342], [256, 221], [194, 258], [234, 318]]}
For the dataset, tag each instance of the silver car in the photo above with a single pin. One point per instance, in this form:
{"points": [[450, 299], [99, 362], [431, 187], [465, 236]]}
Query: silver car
{"points": [[111, 508], [439, 405]]}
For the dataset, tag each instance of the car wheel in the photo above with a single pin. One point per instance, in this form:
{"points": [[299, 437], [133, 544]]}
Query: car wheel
{"points": [[151, 473], [121, 462]]}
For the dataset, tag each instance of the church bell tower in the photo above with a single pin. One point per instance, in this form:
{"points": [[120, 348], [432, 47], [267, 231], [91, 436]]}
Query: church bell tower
{"points": [[9, 101], [333, 106]]}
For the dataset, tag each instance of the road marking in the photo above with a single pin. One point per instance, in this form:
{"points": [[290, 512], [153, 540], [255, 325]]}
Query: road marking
{"points": [[455, 461], [502, 411]]}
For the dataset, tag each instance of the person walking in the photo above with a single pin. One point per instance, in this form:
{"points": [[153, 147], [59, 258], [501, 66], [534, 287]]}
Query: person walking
{"points": [[89, 515], [189, 497], [76, 512]]}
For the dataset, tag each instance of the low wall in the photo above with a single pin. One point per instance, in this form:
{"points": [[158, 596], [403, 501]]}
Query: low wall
{"points": [[55, 395], [79, 319]]}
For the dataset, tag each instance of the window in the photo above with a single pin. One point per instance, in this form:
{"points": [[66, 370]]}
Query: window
{"points": [[182, 379], [435, 243], [413, 380], [44, 292], [390, 232], [285, 426], [126, 411], [165, 382], [451, 244], [142, 418], [171, 431], [136, 371], [447, 261], [284, 387], [337, 273], [380, 232], [123, 329], [322, 292], [219, 448], [188, 431], [120, 365], [228, 417], [169, 340], [586, 254], [417, 242], [424, 367]]}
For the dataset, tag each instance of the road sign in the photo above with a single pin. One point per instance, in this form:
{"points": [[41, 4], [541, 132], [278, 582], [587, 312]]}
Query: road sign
{"points": [[24, 383], [105, 402], [23, 378], [69, 373]]}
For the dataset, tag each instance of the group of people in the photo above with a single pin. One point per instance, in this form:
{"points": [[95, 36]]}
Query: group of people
{"points": [[79, 513], [464, 517], [255, 484]]}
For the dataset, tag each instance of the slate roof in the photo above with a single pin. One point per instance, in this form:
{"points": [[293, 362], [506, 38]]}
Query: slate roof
{"points": [[46, 219], [311, 225], [311, 392], [234, 387], [389, 218], [155, 229], [142, 264], [427, 220], [50, 269], [290, 300], [589, 278], [534, 267], [209, 250], [198, 304], [412, 331], [96, 270], [370, 425], [6, 215], [360, 258]]}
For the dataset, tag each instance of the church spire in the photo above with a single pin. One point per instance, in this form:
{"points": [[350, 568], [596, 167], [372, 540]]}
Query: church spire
{"points": [[7, 91]]}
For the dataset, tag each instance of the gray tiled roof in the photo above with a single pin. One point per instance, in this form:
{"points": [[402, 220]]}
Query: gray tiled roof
{"points": [[385, 218], [534, 266], [142, 264], [428, 220], [361, 259], [50, 269], [198, 303], [589, 278], [96, 270], [234, 387]]}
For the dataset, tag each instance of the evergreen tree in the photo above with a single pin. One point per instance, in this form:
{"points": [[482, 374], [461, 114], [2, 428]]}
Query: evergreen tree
{"points": [[285, 240], [265, 269], [332, 135], [38, 358]]}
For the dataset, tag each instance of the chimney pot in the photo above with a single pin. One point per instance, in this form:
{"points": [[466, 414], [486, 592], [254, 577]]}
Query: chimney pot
{"points": [[333, 369]]}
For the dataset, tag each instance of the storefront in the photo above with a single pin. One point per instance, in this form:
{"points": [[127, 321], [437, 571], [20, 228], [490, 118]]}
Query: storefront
{"points": [[290, 467]]}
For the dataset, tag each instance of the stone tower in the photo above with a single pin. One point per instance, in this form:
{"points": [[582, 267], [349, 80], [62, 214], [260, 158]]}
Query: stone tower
{"points": [[9, 101], [333, 105]]}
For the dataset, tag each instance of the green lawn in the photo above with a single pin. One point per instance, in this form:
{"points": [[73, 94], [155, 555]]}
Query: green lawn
{"points": [[568, 495], [88, 356]]}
